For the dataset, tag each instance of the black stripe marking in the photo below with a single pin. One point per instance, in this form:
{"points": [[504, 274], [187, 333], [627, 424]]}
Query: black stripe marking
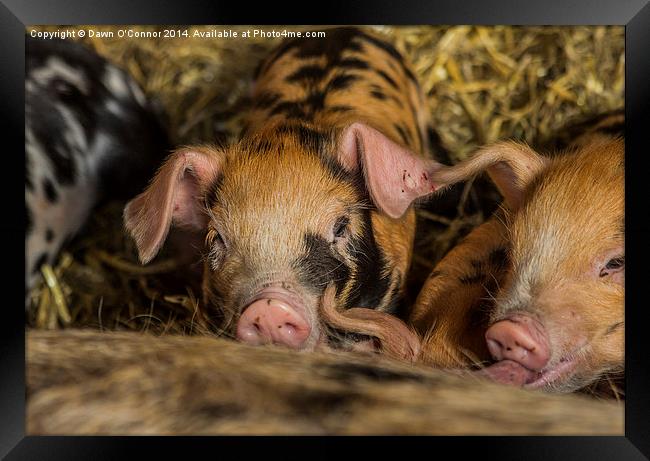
{"points": [[340, 108], [392, 51], [369, 288], [353, 63], [308, 73], [258, 70], [310, 139], [338, 41], [320, 266], [499, 258], [411, 76], [414, 113], [388, 78], [387, 47], [479, 275], [354, 178], [403, 134], [316, 101], [342, 81], [377, 95]]}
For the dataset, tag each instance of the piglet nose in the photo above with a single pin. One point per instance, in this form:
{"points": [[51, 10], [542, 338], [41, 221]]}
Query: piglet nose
{"points": [[271, 321], [521, 339]]}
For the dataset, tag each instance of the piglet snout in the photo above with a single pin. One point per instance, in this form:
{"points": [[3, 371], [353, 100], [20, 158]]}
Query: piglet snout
{"points": [[273, 321], [519, 338]]}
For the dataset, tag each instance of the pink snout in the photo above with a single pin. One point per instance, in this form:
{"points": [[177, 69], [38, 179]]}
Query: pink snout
{"points": [[273, 321], [519, 338]]}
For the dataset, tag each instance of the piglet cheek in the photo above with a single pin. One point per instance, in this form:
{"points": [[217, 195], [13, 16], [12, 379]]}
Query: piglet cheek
{"points": [[618, 277]]}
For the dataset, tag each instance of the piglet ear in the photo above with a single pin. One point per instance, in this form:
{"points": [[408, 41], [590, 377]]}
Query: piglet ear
{"points": [[394, 175], [511, 165], [175, 194]]}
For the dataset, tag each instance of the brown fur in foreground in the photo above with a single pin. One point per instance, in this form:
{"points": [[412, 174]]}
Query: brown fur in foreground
{"points": [[81, 382]]}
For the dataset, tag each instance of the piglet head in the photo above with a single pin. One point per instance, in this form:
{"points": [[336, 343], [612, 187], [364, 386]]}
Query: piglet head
{"points": [[285, 213], [558, 321]]}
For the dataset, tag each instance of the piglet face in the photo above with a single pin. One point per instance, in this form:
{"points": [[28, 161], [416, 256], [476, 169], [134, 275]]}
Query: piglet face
{"points": [[559, 319], [282, 226]]}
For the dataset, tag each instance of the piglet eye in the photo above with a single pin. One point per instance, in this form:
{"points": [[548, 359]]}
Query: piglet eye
{"points": [[340, 226], [613, 265], [216, 248], [213, 237]]}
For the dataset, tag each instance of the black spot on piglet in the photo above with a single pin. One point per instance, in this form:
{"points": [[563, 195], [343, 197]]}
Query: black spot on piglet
{"points": [[50, 192]]}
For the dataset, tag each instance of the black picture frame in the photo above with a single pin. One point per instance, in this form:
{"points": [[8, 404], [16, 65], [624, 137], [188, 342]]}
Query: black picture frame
{"points": [[15, 15]]}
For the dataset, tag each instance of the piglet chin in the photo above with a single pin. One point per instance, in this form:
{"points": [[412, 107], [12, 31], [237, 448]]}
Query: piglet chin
{"points": [[514, 374], [509, 372]]}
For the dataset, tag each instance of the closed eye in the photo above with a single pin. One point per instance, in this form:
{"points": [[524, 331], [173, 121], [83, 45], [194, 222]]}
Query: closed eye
{"points": [[341, 226], [216, 248], [613, 265]]}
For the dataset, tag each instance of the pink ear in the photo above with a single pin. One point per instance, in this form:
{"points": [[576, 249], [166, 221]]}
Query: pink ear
{"points": [[512, 166], [394, 175], [175, 194]]}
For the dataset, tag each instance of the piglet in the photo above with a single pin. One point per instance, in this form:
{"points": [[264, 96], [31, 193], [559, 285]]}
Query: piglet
{"points": [[90, 134], [539, 287], [319, 190]]}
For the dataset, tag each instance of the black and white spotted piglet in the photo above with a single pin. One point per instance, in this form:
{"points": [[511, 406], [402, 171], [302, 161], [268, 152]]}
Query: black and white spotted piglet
{"points": [[90, 134]]}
